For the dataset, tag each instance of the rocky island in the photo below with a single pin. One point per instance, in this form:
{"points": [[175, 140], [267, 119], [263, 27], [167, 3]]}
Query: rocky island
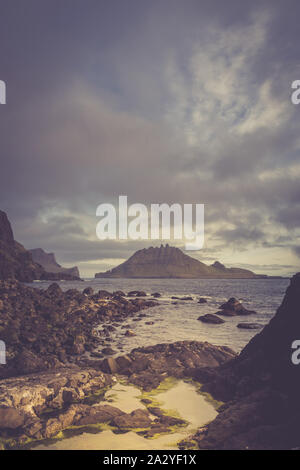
{"points": [[170, 262]]}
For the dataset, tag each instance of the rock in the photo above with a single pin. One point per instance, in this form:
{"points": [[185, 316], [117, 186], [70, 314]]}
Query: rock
{"points": [[88, 291], [96, 354], [137, 419], [233, 307], [26, 402], [104, 294], [202, 301], [100, 414], [210, 318], [124, 362], [26, 362], [130, 332], [137, 293], [119, 293], [260, 388], [108, 351], [54, 290], [110, 365], [156, 295], [148, 367], [10, 418], [249, 326]]}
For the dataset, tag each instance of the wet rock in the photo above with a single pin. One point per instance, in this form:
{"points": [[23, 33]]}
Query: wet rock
{"points": [[88, 291], [137, 419], [109, 351], [96, 354], [156, 295], [130, 333], [119, 293], [100, 414], [110, 365], [260, 388], [148, 367], [210, 318], [202, 301], [10, 418], [233, 307], [136, 293], [249, 326]]}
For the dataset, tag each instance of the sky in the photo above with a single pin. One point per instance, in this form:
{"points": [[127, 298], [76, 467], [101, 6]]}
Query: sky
{"points": [[165, 101]]}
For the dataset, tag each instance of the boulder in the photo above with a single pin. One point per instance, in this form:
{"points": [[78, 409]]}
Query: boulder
{"points": [[250, 326], [210, 318], [137, 419], [10, 418]]}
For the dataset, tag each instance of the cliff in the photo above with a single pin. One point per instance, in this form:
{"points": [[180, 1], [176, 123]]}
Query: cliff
{"points": [[261, 387], [16, 262], [48, 262], [171, 262]]}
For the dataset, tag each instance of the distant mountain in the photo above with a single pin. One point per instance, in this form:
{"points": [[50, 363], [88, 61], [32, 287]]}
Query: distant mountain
{"points": [[48, 261], [16, 262], [171, 262]]}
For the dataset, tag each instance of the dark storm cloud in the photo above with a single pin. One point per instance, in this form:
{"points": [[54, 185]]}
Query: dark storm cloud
{"points": [[164, 101]]}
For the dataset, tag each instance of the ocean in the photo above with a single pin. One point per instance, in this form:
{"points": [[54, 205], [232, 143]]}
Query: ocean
{"points": [[179, 322]]}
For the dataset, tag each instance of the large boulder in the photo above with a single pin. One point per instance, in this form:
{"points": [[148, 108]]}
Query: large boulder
{"points": [[210, 318]]}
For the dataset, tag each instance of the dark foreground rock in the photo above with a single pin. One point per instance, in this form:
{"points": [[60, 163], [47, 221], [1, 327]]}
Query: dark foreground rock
{"points": [[249, 326], [261, 388], [39, 406]]}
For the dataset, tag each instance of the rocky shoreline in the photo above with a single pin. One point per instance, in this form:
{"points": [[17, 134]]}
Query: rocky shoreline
{"points": [[52, 383], [45, 329]]}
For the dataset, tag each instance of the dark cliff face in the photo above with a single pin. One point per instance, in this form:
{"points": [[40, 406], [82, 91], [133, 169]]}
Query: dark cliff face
{"points": [[261, 387], [6, 233], [48, 262], [15, 261], [171, 262]]}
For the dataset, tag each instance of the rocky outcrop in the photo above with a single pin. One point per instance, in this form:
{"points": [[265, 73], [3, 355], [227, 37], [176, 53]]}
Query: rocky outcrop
{"points": [[233, 307], [210, 318], [261, 387], [45, 329], [148, 367], [48, 262], [171, 262], [39, 406]]}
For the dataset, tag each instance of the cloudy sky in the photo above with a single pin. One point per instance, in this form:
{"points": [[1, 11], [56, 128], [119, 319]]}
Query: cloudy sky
{"points": [[162, 101]]}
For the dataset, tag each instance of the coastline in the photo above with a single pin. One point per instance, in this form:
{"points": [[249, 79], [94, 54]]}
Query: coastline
{"points": [[68, 390]]}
